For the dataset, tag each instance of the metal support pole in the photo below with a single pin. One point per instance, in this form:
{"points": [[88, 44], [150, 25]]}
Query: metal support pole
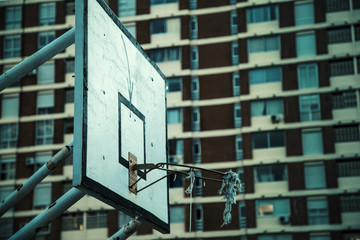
{"points": [[36, 178], [38, 58], [49, 214], [126, 231]]}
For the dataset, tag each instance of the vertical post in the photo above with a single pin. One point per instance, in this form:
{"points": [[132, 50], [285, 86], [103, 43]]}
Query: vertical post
{"points": [[126, 231]]}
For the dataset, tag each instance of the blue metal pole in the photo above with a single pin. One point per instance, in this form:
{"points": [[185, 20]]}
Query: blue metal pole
{"points": [[126, 231]]}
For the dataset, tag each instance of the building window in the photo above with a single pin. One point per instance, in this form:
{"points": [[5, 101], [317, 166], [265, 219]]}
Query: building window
{"points": [[267, 107], [242, 215], [265, 75], [268, 139], [193, 27], [195, 119], [155, 2], [96, 220], [235, 53], [161, 26], [236, 84], [239, 148], [194, 57], [196, 150], [70, 65], [42, 195], [10, 107], [12, 46], [7, 168], [315, 176], [305, 45], [234, 22], [173, 84], [346, 134], [131, 29], [13, 17], [47, 13], [177, 214], [263, 44], [237, 115], [127, 8], [192, 4], [351, 235], [271, 173], [348, 168], [275, 237], [46, 73], [69, 95], [304, 13], [72, 221], [174, 116], [8, 135], [198, 213], [165, 54], [6, 228], [262, 14], [320, 236], [356, 4], [339, 35], [341, 100], [350, 203], [273, 207], [308, 75], [45, 103], [45, 38], [198, 184], [337, 5], [195, 88], [310, 108], [70, 8], [68, 126], [357, 32], [341, 67], [176, 150], [312, 143], [44, 132], [318, 212]]}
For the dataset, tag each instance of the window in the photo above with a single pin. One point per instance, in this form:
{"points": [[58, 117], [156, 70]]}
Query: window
{"points": [[72, 221], [305, 45], [194, 57], [7, 168], [348, 168], [193, 27], [198, 184], [155, 2], [69, 65], [275, 237], [341, 100], [346, 133], [268, 139], [356, 4], [192, 4], [266, 107], [177, 182], [263, 44], [235, 53], [12, 46], [310, 108], [177, 214], [341, 67], [165, 54], [350, 203], [304, 13], [68, 126], [357, 32], [312, 143], [127, 8], [69, 95], [265, 75], [236, 84], [195, 88], [6, 228], [47, 13], [70, 8], [175, 150], [198, 213], [195, 119], [271, 173], [13, 17], [160, 26], [45, 38], [44, 132], [45, 103], [351, 235], [318, 212], [174, 116], [240, 172], [42, 195], [132, 30], [196, 150], [10, 107], [315, 176], [320, 236], [273, 207], [242, 215], [339, 35], [234, 22], [46, 73], [237, 115], [238, 148], [308, 75], [8, 135], [174, 84], [262, 14], [96, 220], [337, 5]]}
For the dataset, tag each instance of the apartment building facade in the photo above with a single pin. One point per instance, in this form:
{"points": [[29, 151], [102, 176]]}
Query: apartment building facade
{"points": [[269, 89]]}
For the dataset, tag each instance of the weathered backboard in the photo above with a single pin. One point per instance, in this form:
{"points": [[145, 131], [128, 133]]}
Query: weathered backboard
{"points": [[120, 113]]}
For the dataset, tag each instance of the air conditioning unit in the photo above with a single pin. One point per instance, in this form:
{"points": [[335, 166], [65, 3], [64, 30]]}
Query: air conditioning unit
{"points": [[29, 161], [275, 118], [284, 219]]}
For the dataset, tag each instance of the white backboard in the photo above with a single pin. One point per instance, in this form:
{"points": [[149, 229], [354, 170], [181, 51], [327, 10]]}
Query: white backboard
{"points": [[120, 107]]}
